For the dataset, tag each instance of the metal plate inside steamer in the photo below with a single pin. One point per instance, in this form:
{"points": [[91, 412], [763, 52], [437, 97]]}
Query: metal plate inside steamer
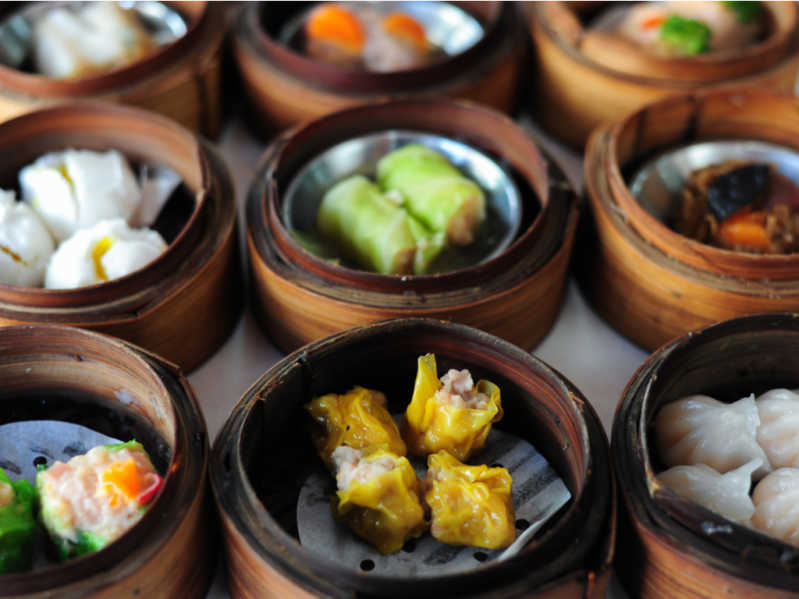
{"points": [[657, 185], [361, 155]]}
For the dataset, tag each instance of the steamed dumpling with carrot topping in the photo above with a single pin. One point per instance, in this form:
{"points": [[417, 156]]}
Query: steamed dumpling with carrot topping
{"points": [[93, 499], [356, 35], [108, 250], [75, 189], [25, 243], [690, 28]]}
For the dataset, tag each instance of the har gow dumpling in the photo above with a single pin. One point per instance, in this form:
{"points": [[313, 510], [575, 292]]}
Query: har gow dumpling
{"points": [[778, 433], [776, 500], [698, 429], [726, 494]]}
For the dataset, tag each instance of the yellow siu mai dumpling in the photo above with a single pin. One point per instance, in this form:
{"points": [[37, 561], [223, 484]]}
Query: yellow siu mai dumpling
{"points": [[452, 413], [358, 419], [470, 505], [378, 497]]}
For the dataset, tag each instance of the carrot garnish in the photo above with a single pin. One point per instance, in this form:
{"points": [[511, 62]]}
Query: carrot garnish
{"points": [[744, 229], [653, 21], [121, 481], [334, 24], [407, 28]]}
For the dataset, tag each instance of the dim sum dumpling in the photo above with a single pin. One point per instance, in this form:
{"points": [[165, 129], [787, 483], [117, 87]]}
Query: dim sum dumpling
{"points": [[25, 243], [76, 189], [726, 494], [701, 430], [776, 500], [108, 250], [778, 433]]}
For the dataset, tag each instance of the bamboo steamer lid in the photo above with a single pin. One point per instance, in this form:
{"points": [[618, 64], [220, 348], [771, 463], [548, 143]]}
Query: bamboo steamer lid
{"points": [[62, 373], [180, 80], [199, 274], [256, 490]]}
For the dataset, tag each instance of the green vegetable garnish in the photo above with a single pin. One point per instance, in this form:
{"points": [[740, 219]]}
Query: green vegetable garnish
{"points": [[17, 525], [688, 36], [745, 11]]}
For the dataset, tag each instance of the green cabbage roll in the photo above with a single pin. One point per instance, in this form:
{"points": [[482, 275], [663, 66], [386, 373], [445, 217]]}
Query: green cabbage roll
{"points": [[374, 230], [434, 191]]}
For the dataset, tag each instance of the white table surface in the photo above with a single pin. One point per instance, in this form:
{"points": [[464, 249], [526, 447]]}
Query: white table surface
{"points": [[580, 345]]}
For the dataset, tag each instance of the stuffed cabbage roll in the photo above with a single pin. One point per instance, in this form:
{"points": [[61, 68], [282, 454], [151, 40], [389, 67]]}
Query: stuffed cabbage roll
{"points": [[434, 191]]}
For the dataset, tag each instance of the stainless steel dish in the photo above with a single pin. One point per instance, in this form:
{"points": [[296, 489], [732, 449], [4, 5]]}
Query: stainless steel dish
{"points": [[657, 185], [164, 24], [360, 156], [448, 27]]}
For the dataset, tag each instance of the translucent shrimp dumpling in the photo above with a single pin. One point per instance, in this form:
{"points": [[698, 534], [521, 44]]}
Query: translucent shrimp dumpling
{"points": [[776, 498], [778, 433], [701, 430], [726, 494]]}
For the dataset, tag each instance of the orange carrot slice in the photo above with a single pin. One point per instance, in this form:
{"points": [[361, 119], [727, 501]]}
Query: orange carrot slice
{"points": [[121, 480], [336, 25], [744, 228], [407, 28], [653, 21]]}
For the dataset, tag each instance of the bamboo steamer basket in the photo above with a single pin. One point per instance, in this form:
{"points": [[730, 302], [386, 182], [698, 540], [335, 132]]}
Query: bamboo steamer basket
{"points": [[63, 373], [672, 548], [285, 87], [256, 496], [199, 273], [649, 282], [575, 93], [300, 298], [180, 80]]}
